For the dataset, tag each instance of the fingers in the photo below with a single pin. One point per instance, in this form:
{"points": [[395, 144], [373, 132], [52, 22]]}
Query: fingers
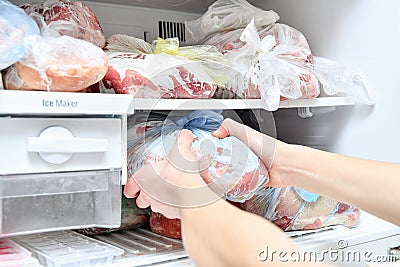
{"points": [[143, 200], [221, 132], [181, 156], [131, 189], [167, 211], [262, 145]]}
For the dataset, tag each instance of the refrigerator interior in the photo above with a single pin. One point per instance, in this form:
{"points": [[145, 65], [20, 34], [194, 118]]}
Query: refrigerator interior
{"points": [[364, 34]]}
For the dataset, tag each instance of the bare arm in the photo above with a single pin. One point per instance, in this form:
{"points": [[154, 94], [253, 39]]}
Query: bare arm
{"points": [[223, 235], [369, 185]]}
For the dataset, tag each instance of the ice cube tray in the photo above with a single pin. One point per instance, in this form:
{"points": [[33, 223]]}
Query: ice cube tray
{"points": [[67, 249], [13, 255]]}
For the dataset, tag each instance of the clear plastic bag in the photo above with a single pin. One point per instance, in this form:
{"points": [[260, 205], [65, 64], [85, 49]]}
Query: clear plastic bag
{"points": [[222, 16], [286, 208], [69, 18], [60, 64], [338, 78], [232, 167], [169, 71], [15, 29], [271, 64]]}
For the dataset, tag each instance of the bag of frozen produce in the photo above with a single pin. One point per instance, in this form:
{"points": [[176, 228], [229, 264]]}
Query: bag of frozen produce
{"points": [[69, 18], [132, 217], [223, 16], [234, 170], [162, 70], [15, 29], [289, 209]]}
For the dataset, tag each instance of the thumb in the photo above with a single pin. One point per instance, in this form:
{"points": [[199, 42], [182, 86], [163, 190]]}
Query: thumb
{"points": [[181, 155]]}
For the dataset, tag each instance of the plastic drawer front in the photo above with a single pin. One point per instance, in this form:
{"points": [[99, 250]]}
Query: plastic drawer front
{"points": [[45, 202], [48, 145]]}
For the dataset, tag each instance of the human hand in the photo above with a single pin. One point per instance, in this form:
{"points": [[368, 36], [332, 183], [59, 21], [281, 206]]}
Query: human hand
{"points": [[173, 183], [270, 150]]}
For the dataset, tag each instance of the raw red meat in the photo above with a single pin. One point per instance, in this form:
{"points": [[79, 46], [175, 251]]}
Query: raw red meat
{"points": [[157, 76], [164, 226], [291, 49], [285, 208], [74, 19], [161, 225]]}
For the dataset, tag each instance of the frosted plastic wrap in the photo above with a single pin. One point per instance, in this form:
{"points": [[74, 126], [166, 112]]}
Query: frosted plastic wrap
{"points": [[288, 210], [60, 64], [73, 19], [223, 16], [232, 166], [168, 71], [272, 64], [132, 217], [15, 29], [338, 78]]}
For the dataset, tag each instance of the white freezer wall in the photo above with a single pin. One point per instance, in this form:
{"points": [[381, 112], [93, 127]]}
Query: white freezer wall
{"points": [[360, 33], [134, 20], [130, 20]]}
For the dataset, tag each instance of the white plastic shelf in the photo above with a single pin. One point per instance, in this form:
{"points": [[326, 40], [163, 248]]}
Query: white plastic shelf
{"points": [[193, 104], [37, 102]]}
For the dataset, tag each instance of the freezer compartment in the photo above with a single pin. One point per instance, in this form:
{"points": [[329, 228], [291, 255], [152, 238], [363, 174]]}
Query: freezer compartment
{"points": [[67, 248], [34, 203]]}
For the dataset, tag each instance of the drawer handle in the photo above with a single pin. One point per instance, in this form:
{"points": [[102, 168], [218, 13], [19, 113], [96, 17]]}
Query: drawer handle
{"points": [[57, 145], [66, 145]]}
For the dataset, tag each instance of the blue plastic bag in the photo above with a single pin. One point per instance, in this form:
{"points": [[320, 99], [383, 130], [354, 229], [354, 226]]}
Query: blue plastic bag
{"points": [[15, 29]]}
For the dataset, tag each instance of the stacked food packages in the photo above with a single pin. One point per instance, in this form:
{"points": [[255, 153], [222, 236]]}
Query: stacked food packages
{"points": [[59, 46]]}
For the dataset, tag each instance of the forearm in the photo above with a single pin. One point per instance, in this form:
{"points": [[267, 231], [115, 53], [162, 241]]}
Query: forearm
{"points": [[223, 235], [369, 185]]}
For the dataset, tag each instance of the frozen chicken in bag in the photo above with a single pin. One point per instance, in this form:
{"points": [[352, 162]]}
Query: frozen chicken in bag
{"points": [[163, 70], [232, 167], [62, 64]]}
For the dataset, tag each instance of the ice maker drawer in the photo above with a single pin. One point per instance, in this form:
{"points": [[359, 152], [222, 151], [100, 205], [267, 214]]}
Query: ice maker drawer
{"points": [[32, 203], [39, 145]]}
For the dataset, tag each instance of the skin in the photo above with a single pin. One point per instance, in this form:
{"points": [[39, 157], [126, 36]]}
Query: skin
{"points": [[206, 236]]}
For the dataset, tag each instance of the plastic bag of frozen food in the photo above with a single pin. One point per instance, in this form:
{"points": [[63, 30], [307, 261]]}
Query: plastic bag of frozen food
{"points": [[232, 166], [222, 16], [338, 78], [69, 18], [163, 70], [290, 210], [15, 29], [60, 64], [132, 217], [271, 64]]}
